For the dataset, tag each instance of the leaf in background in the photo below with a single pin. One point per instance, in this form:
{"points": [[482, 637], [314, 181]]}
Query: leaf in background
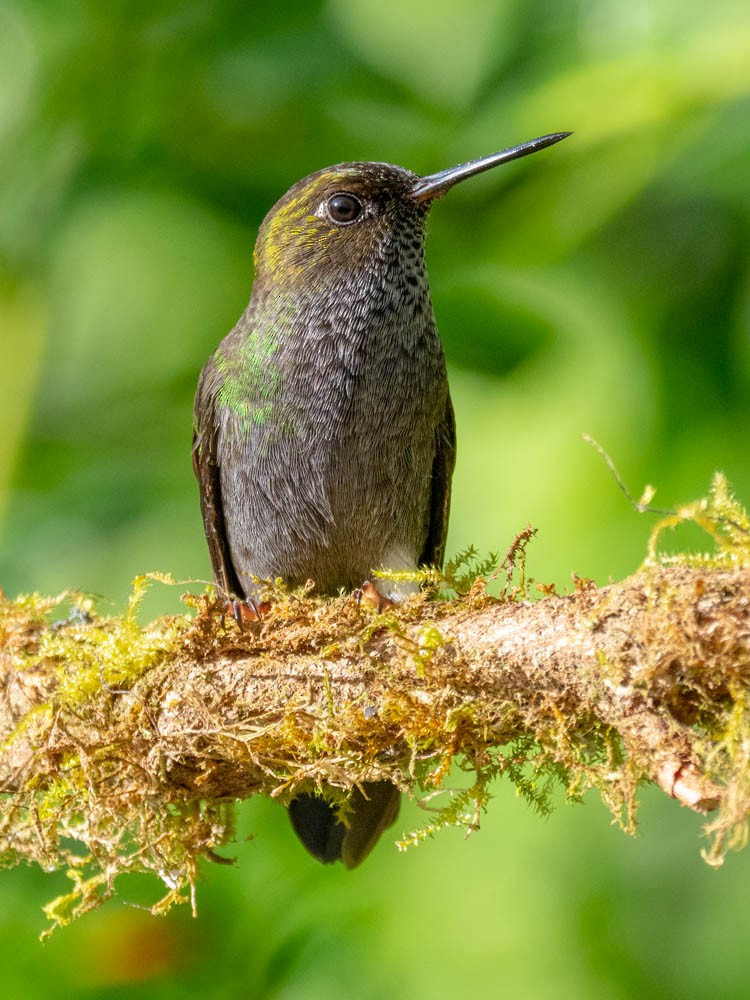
{"points": [[22, 322], [442, 51]]}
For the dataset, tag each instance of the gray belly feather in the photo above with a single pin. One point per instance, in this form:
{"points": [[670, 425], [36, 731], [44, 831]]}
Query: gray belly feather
{"points": [[334, 480]]}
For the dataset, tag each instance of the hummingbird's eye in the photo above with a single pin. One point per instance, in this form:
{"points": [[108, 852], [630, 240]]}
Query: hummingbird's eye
{"points": [[344, 208]]}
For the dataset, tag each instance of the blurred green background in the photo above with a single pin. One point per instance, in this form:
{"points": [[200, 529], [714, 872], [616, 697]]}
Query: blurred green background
{"points": [[602, 286]]}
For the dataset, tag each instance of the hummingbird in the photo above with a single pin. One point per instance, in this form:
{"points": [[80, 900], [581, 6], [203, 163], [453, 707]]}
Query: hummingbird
{"points": [[324, 436]]}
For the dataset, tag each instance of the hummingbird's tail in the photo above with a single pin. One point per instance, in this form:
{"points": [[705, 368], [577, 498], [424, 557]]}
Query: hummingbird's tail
{"points": [[374, 807]]}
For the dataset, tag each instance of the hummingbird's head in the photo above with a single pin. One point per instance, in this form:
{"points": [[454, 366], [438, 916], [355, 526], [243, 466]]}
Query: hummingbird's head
{"points": [[348, 217], [356, 218]]}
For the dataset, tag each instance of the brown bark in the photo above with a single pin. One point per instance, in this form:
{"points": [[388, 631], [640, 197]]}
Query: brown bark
{"points": [[122, 748], [651, 660]]}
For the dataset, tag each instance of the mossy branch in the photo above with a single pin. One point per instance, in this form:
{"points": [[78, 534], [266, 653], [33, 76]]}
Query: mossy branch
{"points": [[125, 746]]}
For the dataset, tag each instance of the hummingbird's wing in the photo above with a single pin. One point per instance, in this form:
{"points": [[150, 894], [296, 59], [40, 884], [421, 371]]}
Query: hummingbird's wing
{"points": [[433, 552], [206, 468]]}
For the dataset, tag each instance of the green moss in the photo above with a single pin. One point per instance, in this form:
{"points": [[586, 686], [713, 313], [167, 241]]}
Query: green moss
{"points": [[83, 810], [722, 518], [429, 640], [92, 655]]}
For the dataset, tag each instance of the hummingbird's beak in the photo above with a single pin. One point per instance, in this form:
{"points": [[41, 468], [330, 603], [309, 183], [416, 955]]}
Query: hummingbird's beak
{"points": [[435, 185]]}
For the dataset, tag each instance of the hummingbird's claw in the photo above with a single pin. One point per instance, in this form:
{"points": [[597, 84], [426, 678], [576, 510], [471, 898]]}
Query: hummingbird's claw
{"points": [[370, 593], [248, 610]]}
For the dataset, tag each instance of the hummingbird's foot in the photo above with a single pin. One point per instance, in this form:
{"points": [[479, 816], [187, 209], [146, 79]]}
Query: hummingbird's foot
{"points": [[370, 593], [248, 610]]}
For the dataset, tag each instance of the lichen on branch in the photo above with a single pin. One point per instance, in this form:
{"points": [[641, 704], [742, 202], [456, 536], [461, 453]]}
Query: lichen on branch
{"points": [[125, 746]]}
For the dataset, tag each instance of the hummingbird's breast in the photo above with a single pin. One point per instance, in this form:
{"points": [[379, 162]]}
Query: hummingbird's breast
{"points": [[326, 468]]}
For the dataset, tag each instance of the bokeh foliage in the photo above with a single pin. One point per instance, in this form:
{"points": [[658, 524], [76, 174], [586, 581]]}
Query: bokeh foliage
{"points": [[602, 286]]}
